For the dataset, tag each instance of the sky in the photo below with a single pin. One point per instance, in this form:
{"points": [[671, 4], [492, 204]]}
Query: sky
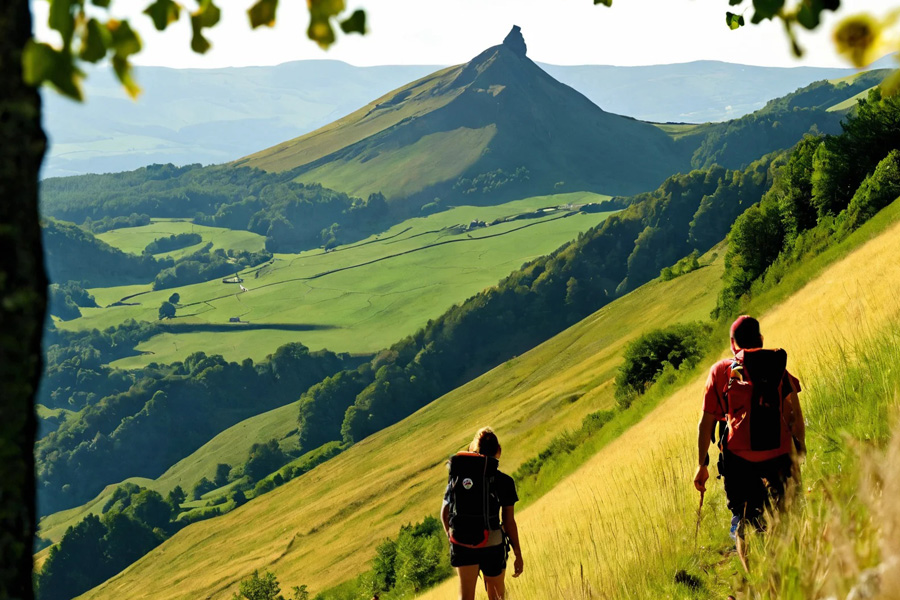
{"points": [[563, 32]]}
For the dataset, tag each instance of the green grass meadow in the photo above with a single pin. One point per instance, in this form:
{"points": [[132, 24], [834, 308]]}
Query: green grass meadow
{"points": [[357, 298], [135, 239]]}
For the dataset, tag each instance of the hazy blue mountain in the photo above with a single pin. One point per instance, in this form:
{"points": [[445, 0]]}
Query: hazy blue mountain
{"points": [[694, 92], [205, 115]]}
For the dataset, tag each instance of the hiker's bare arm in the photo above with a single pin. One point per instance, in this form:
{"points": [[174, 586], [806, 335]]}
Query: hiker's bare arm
{"points": [[798, 426], [512, 530], [445, 518], [704, 435]]}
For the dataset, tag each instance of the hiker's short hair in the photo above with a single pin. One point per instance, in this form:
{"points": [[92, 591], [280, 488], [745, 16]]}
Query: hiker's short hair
{"points": [[745, 332], [485, 442]]}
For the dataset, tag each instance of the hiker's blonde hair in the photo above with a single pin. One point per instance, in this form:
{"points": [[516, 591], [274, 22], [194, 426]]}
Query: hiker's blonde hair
{"points": [[485, 442]]}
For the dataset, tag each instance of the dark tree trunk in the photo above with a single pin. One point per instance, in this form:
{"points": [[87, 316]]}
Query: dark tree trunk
{"points": [[23, 294]]}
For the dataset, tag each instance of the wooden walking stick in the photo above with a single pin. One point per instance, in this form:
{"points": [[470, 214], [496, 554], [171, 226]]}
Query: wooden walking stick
{"points": [[697, 530]]}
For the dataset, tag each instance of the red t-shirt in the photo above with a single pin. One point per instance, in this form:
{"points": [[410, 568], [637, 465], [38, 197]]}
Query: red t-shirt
{"points": [[714, 404]]}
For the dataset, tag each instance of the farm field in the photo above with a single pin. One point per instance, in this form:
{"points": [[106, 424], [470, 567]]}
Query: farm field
{"points": [[135, 239], [389, 479], [357, 298]]}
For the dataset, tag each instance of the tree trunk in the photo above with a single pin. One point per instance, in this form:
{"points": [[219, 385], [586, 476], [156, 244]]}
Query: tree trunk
{"points": [[23, 295]]}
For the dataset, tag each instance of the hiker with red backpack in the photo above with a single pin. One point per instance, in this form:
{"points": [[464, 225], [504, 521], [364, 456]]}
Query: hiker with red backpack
{"points": [[754, 398], [478, 493]]}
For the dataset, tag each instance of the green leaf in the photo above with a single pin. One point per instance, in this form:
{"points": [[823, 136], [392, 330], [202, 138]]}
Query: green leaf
{"points": [[206, 16], [734, 21], [325, 9], [62, 20], [734, 2], [603, 2], [43, 63], [808, 16], [320, 31], [125, 41], [263, 13], [123, 71], [101, 3], [355, 23], [199, 44], [163, 13], [766, 9], [95, 42]]}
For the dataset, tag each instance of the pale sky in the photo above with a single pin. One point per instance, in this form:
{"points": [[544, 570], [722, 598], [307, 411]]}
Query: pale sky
{"points": [[562, 32]]}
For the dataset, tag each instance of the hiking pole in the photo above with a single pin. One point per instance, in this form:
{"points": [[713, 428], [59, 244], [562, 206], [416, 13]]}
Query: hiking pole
{"points": [[697, 530]]}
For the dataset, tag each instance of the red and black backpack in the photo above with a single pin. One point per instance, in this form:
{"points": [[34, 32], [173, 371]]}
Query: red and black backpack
{"points": [[754, 401]]}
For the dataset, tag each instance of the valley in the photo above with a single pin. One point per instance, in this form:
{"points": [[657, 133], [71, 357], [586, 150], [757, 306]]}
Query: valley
{"points": [[264, 364], [356, 298]]}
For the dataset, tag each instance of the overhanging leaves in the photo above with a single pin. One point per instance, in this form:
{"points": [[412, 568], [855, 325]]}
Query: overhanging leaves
{"points": [[62, 20], [263, 13], [163, 13], [355, 23], [95, 42], [43, 63], [207, 15], [734, 21]]}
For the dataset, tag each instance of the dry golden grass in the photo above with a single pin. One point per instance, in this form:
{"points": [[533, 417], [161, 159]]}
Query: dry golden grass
{"points": [[611, 528], [321, 529]]}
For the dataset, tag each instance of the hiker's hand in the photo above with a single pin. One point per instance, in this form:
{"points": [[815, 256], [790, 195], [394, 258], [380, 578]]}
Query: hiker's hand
{"points": [[700, 478], [518, 566]]}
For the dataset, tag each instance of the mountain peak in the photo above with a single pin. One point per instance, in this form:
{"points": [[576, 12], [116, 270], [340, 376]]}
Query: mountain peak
{"points": [[515, 41]]}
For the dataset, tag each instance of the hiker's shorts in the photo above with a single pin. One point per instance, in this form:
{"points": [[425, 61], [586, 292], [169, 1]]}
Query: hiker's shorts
{"points": [[752, 486], [490, 560]]}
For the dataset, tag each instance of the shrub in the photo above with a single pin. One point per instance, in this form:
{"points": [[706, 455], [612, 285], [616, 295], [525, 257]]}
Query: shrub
{"points": [[647, 357]]}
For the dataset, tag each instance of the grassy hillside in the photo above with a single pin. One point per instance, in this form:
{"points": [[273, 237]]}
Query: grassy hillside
{"points": [[135, 239], [627, 516], [554, 385], [638, 485], [357, 298], [484, 121]]}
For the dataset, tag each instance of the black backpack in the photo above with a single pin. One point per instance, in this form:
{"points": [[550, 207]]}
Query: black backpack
{"points": [[471, 478]]}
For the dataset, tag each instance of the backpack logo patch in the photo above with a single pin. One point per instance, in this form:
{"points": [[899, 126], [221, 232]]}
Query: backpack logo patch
{"points": [[468, 483]]}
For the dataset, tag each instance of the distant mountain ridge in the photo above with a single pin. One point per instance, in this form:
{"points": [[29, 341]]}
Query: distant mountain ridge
{"points": [[211, 116]]}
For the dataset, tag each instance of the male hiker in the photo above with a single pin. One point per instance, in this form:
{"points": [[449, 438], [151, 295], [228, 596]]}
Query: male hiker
{"points": [[756, 397]]}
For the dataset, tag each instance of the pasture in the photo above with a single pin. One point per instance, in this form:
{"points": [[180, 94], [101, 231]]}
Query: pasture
{"points": [[357, 298]]}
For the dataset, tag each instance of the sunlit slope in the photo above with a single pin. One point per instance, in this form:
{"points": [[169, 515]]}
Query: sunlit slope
{"points": [[622, 510], [498, 111], [319, 528], [135, 239], [359, 298]]}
